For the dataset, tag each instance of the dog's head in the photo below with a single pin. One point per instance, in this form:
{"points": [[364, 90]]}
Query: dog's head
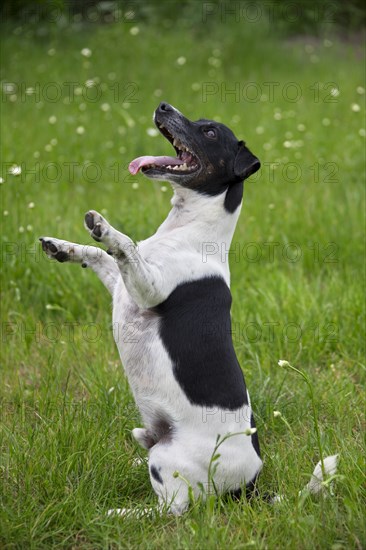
{"points": [[209, 157]]}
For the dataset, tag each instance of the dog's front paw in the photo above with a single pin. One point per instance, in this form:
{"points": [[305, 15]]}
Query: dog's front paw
{"points": [[97, 226], [56, 249]]}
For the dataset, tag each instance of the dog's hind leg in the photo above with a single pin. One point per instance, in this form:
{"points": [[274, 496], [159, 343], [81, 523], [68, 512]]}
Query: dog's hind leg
{"points": [[169, 477], [143, 280], [86, 256]]}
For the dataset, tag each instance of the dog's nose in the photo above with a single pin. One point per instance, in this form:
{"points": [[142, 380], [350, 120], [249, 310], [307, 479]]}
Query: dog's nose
{"points": [[165, 107]]}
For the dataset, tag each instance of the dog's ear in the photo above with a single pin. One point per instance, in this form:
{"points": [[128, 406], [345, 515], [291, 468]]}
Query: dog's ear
{"points": [[245, 163]]}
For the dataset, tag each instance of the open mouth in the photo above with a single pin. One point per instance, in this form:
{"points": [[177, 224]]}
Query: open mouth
{"points": [[184, 163]]}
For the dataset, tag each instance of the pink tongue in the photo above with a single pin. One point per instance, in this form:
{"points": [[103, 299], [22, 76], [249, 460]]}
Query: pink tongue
{"points": [[138, 163]]}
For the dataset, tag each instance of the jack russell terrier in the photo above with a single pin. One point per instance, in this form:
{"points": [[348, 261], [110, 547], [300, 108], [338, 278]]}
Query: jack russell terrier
{"points": [[198, 422]]}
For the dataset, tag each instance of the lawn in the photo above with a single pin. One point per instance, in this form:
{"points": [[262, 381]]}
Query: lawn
{"points": [[77, 102]]}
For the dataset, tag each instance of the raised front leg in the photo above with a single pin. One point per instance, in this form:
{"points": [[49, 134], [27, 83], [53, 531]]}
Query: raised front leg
{"points": [[143, 280], [86, 256]]}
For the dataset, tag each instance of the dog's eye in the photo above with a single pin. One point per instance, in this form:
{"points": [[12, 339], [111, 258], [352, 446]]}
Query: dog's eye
{"points": [[210, 133]]}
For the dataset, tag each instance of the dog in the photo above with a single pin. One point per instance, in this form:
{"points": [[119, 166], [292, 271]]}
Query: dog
{"points": [[198, 423]]}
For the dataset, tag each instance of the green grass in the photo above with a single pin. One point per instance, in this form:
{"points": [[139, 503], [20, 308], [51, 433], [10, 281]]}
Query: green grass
{"points": [[66, 409]]}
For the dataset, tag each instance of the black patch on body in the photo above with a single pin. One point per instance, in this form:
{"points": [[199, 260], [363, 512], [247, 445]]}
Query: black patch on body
{"points": [[155, 474], [195, 327]]}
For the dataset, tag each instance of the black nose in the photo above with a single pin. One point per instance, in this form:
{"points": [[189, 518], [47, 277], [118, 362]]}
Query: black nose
{"points": [[165, 107]]}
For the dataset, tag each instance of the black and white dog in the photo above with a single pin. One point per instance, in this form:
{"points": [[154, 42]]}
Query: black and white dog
{"points": [[181, 364]]}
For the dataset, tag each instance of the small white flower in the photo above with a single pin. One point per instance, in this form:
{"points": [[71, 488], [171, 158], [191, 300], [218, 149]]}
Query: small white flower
{"points": [[137, 462], [301, 127], [214, 62], [271, 206], [80, 130], [1, 180], [152, 132], [31, 205], [53, 141], [134, 31], [135, 185], [21, 229], [6, 213], [277, 116], [250, 431], [51, 51], [196, 86], [163, 188], [276, 414], [111, 390], [326, 122], [181, 60], [29, 227], [15, 170], [259, 130], [362, 132], [86, 52], [355, 107], [287, 144], [283, 363], [9, 87], [105, 107], [52, 119], [360, 90], [48, 147], [334, 92]]}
